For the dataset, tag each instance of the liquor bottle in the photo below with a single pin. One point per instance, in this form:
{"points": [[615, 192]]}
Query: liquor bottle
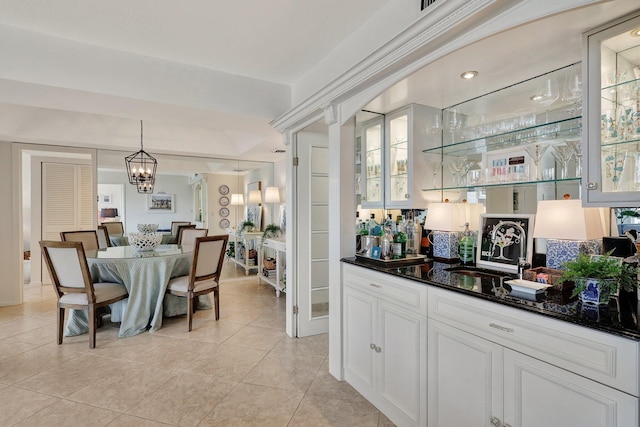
{"points": [[386, 244], [417, 236], [410, 242], [466, 246]]}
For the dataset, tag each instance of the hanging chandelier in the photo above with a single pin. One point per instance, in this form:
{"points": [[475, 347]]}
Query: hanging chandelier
{"points": [[141, 169]]}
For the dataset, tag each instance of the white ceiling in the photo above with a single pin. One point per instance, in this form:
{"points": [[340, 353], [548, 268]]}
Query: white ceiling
{"points": [[237, 62]]}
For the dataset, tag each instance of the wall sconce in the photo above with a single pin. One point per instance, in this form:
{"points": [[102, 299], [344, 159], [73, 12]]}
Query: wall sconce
{"points": [[446, 221], [570, 230]]}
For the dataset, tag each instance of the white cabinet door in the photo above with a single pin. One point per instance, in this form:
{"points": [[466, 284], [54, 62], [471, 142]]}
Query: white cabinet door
{"points": [[465, 378], [359, 313], [402, 353], [539, 394]]}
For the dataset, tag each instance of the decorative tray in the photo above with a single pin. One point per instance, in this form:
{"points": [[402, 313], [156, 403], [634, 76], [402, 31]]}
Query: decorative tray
{"points": [[527, 286], [408, 260]]}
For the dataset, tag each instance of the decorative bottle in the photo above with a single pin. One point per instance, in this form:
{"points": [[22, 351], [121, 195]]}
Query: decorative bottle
{"points": [[466, 246]]}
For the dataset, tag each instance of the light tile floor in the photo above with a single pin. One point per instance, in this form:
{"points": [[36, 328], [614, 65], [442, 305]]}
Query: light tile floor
{"points": [[240, 371]]}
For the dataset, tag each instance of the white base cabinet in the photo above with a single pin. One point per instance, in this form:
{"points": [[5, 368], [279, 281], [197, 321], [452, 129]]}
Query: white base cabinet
{"points": [[475, 382], [385, 346]]}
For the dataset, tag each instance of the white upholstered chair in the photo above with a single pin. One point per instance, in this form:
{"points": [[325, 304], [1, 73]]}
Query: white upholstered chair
{"points": [[188, 236], [88, 238], [175, 225], [114, 228], [204, 276], [103, 237], [74, 287]]}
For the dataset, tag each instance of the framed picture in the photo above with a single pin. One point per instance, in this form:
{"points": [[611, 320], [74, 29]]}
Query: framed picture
{"points": [[160, 203], [254, 214], [503, 239]]}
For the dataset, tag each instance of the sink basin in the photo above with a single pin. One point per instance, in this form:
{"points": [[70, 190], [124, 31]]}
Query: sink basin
{"points": [[476, 272]]}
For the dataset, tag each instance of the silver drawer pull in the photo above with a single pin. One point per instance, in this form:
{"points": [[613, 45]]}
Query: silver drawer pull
{"points": [[372, 346], [501, 328], [374, 285]]}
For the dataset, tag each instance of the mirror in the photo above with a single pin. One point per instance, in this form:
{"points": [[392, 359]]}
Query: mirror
{"points": [[201, 189]]}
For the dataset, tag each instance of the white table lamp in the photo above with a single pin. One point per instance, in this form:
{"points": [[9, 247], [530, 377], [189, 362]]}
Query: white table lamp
{"points": [[272, 195], [569, 228], [446, 221], [237, 199], [255, 197]]}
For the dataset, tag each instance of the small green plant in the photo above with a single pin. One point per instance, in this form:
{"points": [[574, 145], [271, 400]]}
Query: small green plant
{"points": [[271, 231], [247, 225], [612, 273]]}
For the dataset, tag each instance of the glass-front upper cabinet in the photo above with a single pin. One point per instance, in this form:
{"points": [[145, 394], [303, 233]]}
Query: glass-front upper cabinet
{"points": [[372, 152], [612, 73], [409, 131], [518, 144]]}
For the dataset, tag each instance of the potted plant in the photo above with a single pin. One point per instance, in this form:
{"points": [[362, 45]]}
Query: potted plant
{"points": [[271, 231], [247, 226], [597, 277]]}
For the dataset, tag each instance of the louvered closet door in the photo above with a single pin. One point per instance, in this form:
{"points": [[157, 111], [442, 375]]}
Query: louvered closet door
{"points": [[67, 202]]}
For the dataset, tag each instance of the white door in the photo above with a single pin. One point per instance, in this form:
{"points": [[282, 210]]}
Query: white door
{"points": [[539, 394], [312, 230], [465, 378]]}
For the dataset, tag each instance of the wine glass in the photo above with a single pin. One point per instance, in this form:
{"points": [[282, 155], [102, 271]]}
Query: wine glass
{"points": [[436, 167], [455, 167], [572, 93], [537, 151], [562, 153], [576, 146], [546, 94]]}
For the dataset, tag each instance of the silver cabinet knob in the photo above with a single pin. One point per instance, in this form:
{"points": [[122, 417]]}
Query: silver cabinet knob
{"points": [[495, 422], [372, 346]]}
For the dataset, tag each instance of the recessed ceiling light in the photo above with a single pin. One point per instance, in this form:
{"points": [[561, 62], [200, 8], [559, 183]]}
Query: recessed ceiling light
{"points": [[635, 32], [468, 74]]}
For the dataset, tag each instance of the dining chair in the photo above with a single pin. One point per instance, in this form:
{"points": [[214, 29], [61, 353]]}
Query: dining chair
{"points": [[175, 225], [67, 264], [88, 238], [114, 228], [204, 276], [188, 234], [103, 237]]}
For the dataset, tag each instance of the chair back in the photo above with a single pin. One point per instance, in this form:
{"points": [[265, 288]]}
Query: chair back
{"points": [[103, 237], [208, 257], [188, 236], [114, 228], [88, 238], [68, 268], [182, 227], [175, 225]]}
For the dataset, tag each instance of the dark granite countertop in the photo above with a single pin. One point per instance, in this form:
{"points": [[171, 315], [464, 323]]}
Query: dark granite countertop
{"points": [[619, 317]]}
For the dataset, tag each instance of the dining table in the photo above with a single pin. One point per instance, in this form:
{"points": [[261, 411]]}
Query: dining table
{"points": [[145, 274]]}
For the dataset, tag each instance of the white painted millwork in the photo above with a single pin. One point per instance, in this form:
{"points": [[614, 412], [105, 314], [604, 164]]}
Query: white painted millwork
{"points": [[242, 244], [385, 343], [277, 250]]}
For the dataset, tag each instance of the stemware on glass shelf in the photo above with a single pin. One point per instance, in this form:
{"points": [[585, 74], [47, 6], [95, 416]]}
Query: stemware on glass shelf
{"points": [[436, 166], [455, 167], [562, 153], [572, 93], [537, 151], [576, 145], [546, 94]]}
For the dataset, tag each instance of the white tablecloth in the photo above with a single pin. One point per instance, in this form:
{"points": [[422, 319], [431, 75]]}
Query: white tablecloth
{"points": [[145, 275]]}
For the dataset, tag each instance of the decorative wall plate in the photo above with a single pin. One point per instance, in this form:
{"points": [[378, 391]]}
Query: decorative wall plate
{"points": [[224, 223], [224, 190], [224, 212], [224, 201]]}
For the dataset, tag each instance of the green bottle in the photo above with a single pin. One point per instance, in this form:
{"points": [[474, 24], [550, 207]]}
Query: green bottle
{"points": [[466, 246]]}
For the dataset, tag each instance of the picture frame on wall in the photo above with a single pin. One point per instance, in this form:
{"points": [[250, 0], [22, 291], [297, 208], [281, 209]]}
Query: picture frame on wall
{"points": [[503, 239], [160, 203]]}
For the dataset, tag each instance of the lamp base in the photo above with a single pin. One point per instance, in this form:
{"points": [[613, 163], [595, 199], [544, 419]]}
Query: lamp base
{"points": [[446, 245], [561, 251]]}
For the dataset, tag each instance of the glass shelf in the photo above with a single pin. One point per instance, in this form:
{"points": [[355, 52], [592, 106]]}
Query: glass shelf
{"points": [[502, 184], [545, 132]]}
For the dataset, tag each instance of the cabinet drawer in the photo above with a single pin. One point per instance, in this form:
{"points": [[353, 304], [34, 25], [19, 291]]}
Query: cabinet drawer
{"points": [[603, 357], [402, 292]]}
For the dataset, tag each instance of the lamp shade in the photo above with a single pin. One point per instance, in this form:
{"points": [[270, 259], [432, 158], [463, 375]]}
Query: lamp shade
{"points": [[472, 214], [109, 212], [237, 199], [255, 196], [272, 195], [445, 217], [567, 220]]}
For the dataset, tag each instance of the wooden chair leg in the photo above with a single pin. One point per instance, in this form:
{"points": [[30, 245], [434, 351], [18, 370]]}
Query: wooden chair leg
{"points": [[216, 303], [92, 326], [60, 324], [190, 311]]}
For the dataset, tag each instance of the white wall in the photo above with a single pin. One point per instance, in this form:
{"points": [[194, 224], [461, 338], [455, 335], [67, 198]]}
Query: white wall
{"points": [[135, 204], [236, 214]]}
